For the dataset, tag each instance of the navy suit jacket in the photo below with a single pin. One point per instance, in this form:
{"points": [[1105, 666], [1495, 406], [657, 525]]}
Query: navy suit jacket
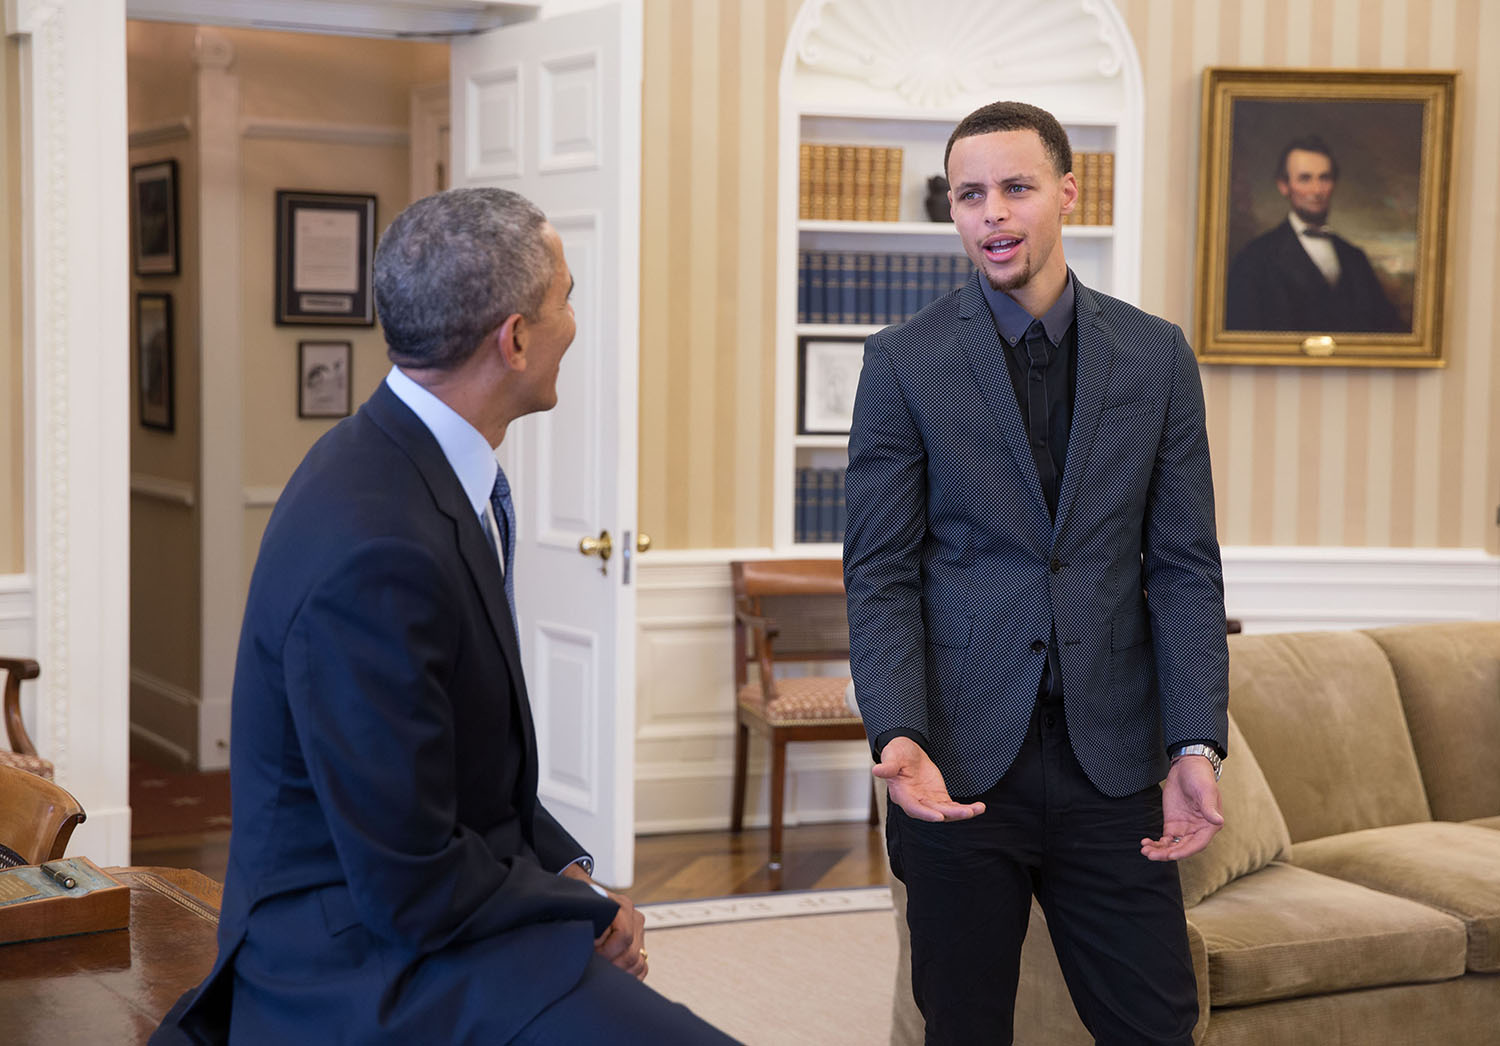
{"points": [[1273, 285], [392, 876], [957, 574]]}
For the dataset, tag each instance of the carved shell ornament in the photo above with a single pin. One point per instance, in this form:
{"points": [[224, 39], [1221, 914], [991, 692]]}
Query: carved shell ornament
{"points": [[932, 53]]}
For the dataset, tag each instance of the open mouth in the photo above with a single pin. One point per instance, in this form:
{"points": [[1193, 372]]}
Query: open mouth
{"points": [[1001, 248]]}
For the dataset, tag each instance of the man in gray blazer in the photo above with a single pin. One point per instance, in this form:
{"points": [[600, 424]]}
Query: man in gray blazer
{"points": [[1036, 612]]}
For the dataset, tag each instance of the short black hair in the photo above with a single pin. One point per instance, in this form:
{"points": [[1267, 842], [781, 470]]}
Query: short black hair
{"points": [[1310, 143], [1016, 116]]}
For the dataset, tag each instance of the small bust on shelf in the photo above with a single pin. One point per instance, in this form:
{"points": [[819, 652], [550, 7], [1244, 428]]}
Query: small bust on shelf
{"points": [[937, 199]]}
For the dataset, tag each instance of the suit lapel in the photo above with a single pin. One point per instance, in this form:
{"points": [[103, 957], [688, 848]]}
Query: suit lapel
{"points": [[986, 355], [478, 553], [1096, 356]]}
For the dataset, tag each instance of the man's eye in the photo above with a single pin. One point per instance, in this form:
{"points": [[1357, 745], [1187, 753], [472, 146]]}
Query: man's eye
{"points": [[970, 194]]}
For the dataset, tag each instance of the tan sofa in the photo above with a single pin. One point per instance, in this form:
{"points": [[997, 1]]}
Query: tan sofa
{"points": [[1353, 896]]}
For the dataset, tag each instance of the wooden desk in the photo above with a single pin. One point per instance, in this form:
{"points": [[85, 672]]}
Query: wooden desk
{"points": [[114, 987]]}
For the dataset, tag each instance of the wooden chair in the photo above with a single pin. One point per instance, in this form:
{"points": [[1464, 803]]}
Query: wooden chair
{"points": [[22, 754], [788, 610], [37, 818]]}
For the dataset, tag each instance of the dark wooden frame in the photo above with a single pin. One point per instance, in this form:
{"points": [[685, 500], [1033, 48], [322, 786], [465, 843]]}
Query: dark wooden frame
{"points": [[347, 354], [1328, 103], [151, 416], [165, 262], [327, 307]]}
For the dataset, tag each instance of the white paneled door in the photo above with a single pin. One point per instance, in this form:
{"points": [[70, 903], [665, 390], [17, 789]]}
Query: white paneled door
{"points": [[551, 109]]}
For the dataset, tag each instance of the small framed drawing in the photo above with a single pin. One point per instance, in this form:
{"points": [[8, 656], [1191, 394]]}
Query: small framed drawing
{"points": [[1323, 216], [325, 249], [154, 363], [153, 211], [323, 379], [828, 374]]}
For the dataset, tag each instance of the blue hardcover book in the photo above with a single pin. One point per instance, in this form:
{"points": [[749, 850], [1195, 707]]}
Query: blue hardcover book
{"points": [[817, 298], [802, 265], [800, 504], [848, 290], [880, 289], [840, 512], [864, 288], [911, 294], [931, 287], [824, 525]]}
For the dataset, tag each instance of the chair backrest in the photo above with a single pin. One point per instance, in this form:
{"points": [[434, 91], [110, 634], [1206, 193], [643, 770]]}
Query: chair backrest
{"points": [[17, 669], [37, 817], [802, 602]]}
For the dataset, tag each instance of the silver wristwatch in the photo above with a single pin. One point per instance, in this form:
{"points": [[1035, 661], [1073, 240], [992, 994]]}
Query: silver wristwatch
{"points": [[1206, 751]]}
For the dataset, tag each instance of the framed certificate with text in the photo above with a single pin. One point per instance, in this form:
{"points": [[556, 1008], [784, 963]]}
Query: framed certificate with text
{"points": [[325, 250]]}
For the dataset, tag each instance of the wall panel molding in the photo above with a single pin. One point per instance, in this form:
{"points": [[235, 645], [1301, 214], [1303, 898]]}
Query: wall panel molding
{"points": [[167, 131], [159, 488], [685, 722], [269, 127]]}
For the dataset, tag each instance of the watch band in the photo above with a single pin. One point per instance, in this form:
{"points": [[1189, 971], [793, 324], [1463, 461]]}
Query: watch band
{"points": [[1207, 751]]}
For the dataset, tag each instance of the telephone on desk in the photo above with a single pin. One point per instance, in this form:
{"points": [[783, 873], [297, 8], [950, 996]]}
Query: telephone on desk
{"points": [[60, 898]]}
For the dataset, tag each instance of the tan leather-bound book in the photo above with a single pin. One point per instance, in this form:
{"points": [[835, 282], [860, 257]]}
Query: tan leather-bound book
{"points": [[831, 156], [846, 183], [1091, 188], [863, 162], [878, 166], [816, 202], [893, 185], [1106, 188], [804, 181]]}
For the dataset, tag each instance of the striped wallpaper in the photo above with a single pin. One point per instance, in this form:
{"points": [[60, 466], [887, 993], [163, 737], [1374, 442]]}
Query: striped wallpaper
{"points": [[1302, 456]]}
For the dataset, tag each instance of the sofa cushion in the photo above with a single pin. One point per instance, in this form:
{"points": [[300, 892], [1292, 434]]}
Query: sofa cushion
{"points": [[1254, 832], [1485, 822], [1322, 713], [1452, 867], [1449, 676], [1285, 932]]}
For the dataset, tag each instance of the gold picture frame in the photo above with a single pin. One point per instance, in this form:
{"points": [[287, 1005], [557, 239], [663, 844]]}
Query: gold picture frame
{"points": [[1323, 210]]}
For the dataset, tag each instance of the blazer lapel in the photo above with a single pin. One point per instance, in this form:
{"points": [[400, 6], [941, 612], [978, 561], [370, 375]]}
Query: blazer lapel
{"points": [[986, 356], [478, 553], [1096, 356]]}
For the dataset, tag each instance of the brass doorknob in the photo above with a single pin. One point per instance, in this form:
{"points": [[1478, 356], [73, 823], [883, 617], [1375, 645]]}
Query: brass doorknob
{"points": [[602, 546], [643, 542]]}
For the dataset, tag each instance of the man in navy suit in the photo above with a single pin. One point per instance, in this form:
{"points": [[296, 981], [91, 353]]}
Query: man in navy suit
{"points": [[1036, 613], [1301, 276], [392, 874]]}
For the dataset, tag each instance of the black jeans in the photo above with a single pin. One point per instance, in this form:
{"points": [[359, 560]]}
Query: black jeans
{"points": [[1115, 918]]}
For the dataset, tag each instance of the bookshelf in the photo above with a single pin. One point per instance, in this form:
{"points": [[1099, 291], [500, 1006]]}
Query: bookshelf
{"points": [[890, 75]]}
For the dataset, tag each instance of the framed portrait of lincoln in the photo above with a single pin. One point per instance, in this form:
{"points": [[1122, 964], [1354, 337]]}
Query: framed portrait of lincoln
{"points": [[1323, 216]]}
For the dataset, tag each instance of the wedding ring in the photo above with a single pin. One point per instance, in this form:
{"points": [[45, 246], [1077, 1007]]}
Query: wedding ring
{"points": [[643, 955]]}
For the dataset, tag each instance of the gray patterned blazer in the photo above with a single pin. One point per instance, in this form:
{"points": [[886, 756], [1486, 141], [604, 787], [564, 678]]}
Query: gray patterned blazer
{"points": [[956, 574]]}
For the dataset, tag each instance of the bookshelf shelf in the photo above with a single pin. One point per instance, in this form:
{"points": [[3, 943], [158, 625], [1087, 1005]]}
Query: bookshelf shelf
{"points": [[822, 442], [833, 97]]}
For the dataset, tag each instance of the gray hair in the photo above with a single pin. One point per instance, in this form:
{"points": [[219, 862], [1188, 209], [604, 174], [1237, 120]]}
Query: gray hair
{"points": [[452, 267]]}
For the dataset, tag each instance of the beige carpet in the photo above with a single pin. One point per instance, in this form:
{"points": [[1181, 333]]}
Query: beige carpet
{"points": [[813, 968]]}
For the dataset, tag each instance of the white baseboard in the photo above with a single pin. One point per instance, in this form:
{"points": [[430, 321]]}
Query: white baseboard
{"points": [[684, 694]]}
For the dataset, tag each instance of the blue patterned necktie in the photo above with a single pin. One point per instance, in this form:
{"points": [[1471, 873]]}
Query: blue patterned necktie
{"points": [[505, 518]]}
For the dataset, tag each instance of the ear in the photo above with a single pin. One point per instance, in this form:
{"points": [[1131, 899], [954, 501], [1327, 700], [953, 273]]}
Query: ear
{"points": [[1068, 187], [510, 342], [1284, 187]]}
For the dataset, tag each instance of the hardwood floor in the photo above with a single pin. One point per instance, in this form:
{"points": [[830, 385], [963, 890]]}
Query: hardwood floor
{"points": [[667, 867]]}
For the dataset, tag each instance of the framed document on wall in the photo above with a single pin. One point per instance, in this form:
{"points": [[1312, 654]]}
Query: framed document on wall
{"points": [[325, 251], [155, 379]]}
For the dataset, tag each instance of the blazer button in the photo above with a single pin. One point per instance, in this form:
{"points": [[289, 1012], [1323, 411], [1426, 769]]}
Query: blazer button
{"points": [[1039, 645], [1056, 565]]}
